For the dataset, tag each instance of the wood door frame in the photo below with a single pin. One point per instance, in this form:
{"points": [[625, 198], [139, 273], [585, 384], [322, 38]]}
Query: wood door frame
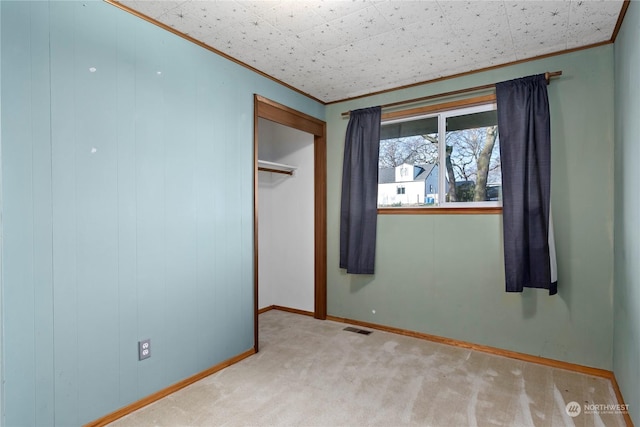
{"points": [[278, 113]]}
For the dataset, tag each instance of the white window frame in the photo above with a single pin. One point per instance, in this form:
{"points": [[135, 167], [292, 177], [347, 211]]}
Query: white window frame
{"points": [[442, 173]]}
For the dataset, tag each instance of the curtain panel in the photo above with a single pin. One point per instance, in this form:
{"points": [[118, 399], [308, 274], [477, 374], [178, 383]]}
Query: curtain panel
{"points": [[359, 202], [524, 127]]}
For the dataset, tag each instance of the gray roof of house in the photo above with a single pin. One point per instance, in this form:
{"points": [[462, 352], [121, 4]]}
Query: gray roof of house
{"points": [[388, 175]]}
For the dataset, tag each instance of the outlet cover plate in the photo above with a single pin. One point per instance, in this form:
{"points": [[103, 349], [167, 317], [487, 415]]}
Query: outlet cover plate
{"points": [[144, 349]]}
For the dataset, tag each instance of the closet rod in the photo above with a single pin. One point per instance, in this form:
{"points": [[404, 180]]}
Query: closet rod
{"points": [[275, 171], [547, 76]]}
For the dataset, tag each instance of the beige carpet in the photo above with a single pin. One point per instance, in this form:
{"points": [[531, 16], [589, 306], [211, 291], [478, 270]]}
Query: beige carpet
{"points": [[312, 373]]}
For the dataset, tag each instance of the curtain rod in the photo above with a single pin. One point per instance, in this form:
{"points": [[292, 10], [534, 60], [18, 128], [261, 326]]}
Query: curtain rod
{"points": [[547, 77]]}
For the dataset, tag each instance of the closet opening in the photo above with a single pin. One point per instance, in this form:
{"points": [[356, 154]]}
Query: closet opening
{"points": [[289, 210]]}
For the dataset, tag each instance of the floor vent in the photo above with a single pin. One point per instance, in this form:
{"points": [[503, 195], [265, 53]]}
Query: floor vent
{"points": [[356, 330]]}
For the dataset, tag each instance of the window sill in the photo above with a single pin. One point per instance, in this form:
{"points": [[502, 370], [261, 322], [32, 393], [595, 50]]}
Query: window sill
{"points": [[442, 211]]}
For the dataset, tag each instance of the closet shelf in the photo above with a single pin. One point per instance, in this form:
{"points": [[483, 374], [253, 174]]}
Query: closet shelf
{"points": [[266, 166]]}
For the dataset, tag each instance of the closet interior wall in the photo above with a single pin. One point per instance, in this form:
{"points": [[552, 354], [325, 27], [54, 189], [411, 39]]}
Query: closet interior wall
{"points": [[286, 219]]}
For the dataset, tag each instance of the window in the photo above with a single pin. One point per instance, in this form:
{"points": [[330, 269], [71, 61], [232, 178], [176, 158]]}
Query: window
{"points": [[446, 159]]}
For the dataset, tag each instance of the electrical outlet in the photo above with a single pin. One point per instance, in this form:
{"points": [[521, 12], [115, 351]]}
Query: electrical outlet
{"points": [[144, 349]]}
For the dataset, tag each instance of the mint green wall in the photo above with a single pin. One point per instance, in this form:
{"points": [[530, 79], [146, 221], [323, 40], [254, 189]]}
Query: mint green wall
{"points": [[1, 292], [443, 274], [626, 338], [127, 208]]}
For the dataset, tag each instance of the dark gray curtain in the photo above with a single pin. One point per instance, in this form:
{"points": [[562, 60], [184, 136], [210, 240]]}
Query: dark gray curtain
{"points": [[359, 209], [525, 156]]}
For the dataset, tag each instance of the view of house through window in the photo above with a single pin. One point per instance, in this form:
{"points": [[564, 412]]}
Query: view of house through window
{"points": [[450, 158]]}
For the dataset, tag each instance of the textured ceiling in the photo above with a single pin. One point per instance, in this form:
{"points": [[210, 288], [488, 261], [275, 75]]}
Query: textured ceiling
{"points": [[334, 50]]}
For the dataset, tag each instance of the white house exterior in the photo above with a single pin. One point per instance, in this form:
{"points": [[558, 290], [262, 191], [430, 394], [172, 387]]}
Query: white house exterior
{"points": [[408, 185]]}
